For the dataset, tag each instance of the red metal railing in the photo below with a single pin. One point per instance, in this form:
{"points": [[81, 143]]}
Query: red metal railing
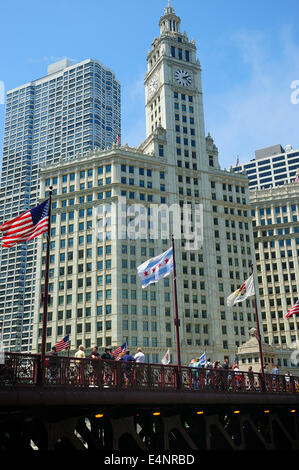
{"points": [[69, 372]]}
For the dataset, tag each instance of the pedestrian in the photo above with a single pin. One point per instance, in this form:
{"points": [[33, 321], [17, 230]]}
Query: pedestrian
{"points": [[250, 378], [216, 379], [238, 376], [53, 365], [275, 373], [139, 356], [208, 366], [95, 356], [287, 378], [139, 359], [107, 355], [224, 374], [195, 373], [229, 377], [216, 365], [128, 367], [95, 353], [80, 354], [108, 371]]}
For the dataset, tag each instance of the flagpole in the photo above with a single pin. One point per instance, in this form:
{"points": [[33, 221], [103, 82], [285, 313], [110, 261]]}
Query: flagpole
{"points": [[258, 330], [176, 317], [45, 295]]}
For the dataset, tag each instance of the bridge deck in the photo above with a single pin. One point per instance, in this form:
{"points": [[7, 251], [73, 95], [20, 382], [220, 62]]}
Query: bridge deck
{"points": [[73, 381], [87, 404]]}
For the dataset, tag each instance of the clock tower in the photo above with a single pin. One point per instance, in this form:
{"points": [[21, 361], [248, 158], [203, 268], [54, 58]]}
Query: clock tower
{"points": [[173, 94]]}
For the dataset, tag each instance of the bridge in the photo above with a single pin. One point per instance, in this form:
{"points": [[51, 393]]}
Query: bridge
{"points": [[94, 404]]}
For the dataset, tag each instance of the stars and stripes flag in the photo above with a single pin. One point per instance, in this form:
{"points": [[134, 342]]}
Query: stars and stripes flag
{"points": [[120, 351], [156, 268], [64, 343], [26, 226], [293, 310], [235, 364], [241, 294]]}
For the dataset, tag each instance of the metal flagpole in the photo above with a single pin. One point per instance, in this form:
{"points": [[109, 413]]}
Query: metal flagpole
{"points": [[45, 295], [176, 317], [258, 330]]}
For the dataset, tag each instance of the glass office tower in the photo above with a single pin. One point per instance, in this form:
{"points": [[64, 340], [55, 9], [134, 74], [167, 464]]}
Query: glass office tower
{"points": [[73, 109]]}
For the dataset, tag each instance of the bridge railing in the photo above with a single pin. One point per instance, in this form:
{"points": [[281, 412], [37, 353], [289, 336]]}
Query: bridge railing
{"points": [[70, 372], [19, 369]]}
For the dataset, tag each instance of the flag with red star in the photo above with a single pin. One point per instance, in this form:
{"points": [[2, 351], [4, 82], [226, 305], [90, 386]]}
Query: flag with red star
{"points": [[156, 268]]}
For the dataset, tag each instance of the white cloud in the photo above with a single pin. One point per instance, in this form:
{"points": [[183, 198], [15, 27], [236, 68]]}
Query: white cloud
{"points": [[258, 111]]}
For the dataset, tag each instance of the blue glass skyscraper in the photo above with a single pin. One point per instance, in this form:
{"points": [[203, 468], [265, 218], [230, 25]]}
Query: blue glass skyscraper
{"points": [[73, 109]]}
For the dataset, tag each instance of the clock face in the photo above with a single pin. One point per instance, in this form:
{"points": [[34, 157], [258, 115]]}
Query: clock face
{"points": [[183, 77], [153, 85]]}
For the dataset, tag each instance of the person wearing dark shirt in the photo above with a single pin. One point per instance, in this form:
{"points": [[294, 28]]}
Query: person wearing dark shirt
{"points": [[95, 366], [107, 355], [224, 375], [95, 354], [108, 373], [128, 368], [53, 365]]}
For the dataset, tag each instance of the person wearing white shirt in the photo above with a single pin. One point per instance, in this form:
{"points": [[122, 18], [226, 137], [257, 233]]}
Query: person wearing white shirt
{"points": [[139, 358]]}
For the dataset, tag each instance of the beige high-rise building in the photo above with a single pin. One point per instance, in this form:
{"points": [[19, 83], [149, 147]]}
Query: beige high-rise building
{"points": [[96, 295], [276, 232]]}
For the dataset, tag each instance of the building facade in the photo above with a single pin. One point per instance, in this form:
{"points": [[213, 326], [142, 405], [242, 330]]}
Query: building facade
{"points": [[74, 108], [96, 295], [272, 166], [275, 213]]}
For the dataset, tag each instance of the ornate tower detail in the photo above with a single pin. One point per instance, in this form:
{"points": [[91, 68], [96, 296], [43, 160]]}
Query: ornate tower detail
{"points": [[174, 97]]}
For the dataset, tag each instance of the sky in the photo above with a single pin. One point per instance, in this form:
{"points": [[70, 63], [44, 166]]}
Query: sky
{"points": [[248, 50]]}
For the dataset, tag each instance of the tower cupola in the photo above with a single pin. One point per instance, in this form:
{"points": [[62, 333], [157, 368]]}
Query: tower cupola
{"points": [[169, 22]]}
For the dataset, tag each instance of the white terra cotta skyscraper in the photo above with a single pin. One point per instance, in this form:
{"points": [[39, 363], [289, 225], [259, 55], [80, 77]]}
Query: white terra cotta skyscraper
{"points": [[96, 295]]}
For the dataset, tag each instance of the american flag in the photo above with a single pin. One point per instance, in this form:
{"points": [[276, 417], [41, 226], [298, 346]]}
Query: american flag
{"points": [[26, 226], [119, 352], [235, 364], [293, 310], [63, 344]]}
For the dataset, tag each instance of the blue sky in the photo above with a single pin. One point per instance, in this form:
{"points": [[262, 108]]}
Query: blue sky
{"points": [[249, 53]]}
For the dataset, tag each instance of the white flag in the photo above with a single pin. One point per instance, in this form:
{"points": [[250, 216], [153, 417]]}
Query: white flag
{"points": [[241, 294], [166, 359], [156, 268]]}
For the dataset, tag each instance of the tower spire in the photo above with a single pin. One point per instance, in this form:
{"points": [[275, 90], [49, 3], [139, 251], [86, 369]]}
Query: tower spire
{"points": [[169, 9], [169, 21]]}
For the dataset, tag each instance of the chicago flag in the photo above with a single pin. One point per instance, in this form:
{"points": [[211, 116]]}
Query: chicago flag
{"points": [[156, 268]]}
